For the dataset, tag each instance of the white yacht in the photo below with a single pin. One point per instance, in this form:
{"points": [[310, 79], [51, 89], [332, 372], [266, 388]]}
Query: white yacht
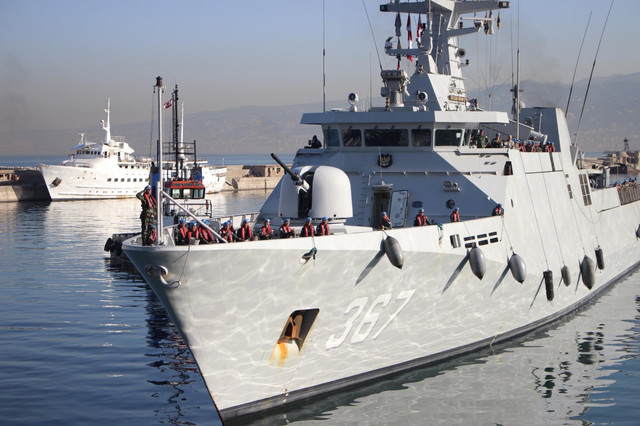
{"points": [[274, 322], [109, 170], [97, 170]]}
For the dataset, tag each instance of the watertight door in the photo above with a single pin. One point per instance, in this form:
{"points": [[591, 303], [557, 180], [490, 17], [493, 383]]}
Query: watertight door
{"points": [[398, 208]]}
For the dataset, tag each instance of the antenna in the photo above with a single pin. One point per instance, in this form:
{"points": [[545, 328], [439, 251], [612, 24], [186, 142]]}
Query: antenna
{"points": [[324, 76], [591, 74], [566, 111], [372, 35]]}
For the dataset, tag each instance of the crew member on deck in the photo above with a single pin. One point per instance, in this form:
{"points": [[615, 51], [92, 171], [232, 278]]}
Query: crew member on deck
{"points": [[206, 237], [148, 214], [181, 234], [323, 227], [497, 210], [421, 219], [244, 233], [266, 231], [307, 229], [385, 222], [315, 142], [285, 229], [225, 232], [455, 215]]}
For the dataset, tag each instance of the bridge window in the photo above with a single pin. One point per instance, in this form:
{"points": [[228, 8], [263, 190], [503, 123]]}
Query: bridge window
{"points": [[331, 137], [448, 137], [352, 137], [421, 137], [386, 137]]}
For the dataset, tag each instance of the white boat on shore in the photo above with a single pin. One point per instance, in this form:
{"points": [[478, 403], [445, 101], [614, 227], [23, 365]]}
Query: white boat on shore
{"points": [[110, 170], [271, 323]]}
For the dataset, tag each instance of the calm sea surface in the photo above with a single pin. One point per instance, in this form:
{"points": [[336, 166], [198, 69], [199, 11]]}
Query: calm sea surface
{"points": [[84, 342]]}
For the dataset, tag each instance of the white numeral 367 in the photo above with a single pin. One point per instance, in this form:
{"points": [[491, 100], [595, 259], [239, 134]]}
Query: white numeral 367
{"points": [[369, 320]]}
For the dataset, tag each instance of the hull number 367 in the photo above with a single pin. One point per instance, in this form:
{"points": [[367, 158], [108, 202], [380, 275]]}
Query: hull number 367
{"points": [[364, 325]]}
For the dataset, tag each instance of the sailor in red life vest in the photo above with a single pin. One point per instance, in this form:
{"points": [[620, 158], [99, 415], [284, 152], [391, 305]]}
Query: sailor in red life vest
{"points": [[307, 229], [226, 233], [455, 215], [194, 230], [285, 229], [206, 237], [148, 214], [181, 234], [323, 227], [385, 222], [266, 231], [497, 210], [421, 219], [233, 231], [244, 233]]}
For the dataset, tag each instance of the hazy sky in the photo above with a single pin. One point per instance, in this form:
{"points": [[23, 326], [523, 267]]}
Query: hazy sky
{"points": [[61, 59]]}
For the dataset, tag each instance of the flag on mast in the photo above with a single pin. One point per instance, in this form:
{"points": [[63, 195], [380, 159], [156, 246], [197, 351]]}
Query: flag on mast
{"points": [[419, 30], [168, 104], [409, 36], [399, 56]]}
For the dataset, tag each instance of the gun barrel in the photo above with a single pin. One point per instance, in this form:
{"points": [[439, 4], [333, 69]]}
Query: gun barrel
{"points": [[286, 168]]}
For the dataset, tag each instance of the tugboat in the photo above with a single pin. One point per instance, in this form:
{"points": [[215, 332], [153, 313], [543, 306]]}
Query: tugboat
{"points": [[514, 236]]}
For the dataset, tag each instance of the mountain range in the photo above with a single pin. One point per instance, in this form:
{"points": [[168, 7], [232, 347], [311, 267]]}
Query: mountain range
{"points": [[609, 116]]}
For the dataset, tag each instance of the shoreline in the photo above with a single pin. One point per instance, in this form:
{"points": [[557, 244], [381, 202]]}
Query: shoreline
{"points": [[27, 184]]}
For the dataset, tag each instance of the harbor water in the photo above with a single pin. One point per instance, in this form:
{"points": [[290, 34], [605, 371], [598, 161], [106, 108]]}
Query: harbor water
{"points": [[83, 341]]}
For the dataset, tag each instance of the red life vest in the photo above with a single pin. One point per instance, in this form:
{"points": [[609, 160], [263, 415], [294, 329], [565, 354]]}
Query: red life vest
{"points": [[226, 234], [150, 202], [455, 216], [307, 230], [206, 235], [422, 220], [183, 234], [266, 230], [244, 233], [323, 229]]}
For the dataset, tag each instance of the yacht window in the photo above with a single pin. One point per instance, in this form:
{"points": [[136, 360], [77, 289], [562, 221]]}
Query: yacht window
{"points": [[386, 137], [448, 137], [128, 179], [331, 137], [421, 137], [352, 137], [186, 193], [108, 179], [175, 193]]}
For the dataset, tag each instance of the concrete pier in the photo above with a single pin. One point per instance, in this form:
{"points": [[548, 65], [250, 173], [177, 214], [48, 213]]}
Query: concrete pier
{"points": [[22, 184]]}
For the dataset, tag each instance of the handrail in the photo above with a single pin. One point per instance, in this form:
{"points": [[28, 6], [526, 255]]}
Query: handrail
{"points": [[218, 237]]}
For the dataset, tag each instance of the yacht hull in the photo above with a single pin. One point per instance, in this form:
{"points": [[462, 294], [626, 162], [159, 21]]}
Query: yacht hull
{"points": [[105, 182]]}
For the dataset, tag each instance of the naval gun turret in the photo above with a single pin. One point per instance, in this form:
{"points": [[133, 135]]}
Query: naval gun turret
{"points": [[315, 191]]}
